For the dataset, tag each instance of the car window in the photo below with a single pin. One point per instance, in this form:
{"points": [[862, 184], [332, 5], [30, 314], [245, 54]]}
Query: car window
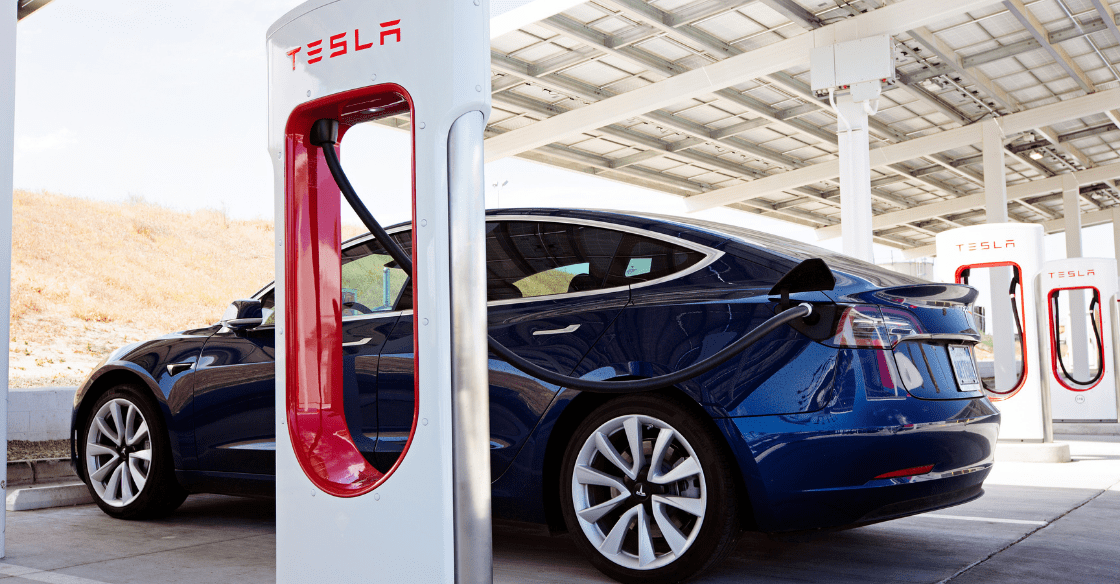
{"points": [[641, 259], [525, 259], [371, 280], [528, 259], [268, 308]]}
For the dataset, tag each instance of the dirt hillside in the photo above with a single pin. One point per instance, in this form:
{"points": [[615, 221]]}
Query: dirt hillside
{"points": [[90, 276]]}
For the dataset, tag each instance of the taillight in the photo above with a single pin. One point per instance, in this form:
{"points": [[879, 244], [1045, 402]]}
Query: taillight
{"points": [[900, 324], [861, 327], [868, 327]]}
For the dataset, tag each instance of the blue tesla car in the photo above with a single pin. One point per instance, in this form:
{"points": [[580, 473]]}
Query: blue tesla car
{"points": [[872, 410]]}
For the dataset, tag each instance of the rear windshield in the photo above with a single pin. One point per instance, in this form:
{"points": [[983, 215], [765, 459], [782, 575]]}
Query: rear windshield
{"points": [[796, 250]]}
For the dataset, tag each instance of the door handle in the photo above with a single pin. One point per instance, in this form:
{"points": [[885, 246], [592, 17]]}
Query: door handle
{"points": [[177, 368], [568, 329], [357, 343]]}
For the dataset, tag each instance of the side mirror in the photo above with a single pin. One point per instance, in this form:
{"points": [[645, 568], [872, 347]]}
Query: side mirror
{"points": [[243, 314]]}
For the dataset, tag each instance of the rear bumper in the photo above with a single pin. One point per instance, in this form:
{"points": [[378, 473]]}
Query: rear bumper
{"points": [[817, 471]]}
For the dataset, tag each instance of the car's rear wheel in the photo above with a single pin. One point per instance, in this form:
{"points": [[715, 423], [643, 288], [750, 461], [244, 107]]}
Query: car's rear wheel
{"points": [[126, 457], [647, 491]]}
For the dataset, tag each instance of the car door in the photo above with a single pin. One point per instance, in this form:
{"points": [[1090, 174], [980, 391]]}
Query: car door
{"points": [[548, 300], [235, 389]]}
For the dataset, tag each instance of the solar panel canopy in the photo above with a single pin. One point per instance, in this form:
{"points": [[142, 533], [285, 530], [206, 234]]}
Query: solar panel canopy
{"points": [[711, 100]]}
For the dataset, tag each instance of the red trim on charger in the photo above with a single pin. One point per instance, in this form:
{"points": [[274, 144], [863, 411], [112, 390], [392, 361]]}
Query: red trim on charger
{"points": [[315, 412], [993, 395], [1054, 344]]}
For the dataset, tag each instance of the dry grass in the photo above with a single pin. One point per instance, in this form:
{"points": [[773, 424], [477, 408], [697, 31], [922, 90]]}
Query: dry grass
{"points": [[28, 450], [89, 276]]}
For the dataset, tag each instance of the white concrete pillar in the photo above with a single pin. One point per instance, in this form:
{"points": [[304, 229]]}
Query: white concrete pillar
{"points": [[1002, 320], [995, 174], [1078, 328], [855, 179], [7, 153]]}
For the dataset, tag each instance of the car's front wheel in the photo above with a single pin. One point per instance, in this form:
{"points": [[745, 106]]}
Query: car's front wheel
{"points": [[126, 457], [647, 491]]}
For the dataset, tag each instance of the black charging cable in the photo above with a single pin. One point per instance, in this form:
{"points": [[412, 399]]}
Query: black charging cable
{"points": [[1013, 296], [1096, 333], [324, 134]]}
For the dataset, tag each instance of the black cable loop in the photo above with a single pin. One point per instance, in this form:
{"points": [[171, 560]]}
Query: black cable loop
{"points": [[1096, 333]]}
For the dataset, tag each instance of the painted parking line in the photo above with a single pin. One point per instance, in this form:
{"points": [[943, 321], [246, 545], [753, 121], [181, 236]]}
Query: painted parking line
{"points": [[983, 519], [43, 576]]}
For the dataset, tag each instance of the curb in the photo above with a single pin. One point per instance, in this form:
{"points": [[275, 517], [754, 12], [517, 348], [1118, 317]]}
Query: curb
{"points": [[48, 496], [1086, 429], [1032, 452], [44, 470]]}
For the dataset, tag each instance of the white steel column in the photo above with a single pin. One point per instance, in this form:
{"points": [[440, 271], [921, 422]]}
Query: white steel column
{"points": [[7, 153], [1078, 326], [995, 198], [855, 178]]}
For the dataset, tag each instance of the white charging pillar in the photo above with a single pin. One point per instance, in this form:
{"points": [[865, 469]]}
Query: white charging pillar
{"points": [[1006, 248], [338, 518], [1079, 396], [851, 73], [8, 21]]}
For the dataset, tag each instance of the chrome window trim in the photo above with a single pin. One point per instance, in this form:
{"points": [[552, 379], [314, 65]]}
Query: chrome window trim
{"points": [[711, 255], [382, 314]]}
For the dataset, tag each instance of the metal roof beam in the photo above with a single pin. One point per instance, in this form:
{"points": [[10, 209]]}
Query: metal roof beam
{"points": [[1059, 54], [793, 11], [682, 148], [1014, 193], [949, 58], [1023, 46], [567, 26], [1107, 18], [696, 12], [799, 88], [646, 13], [904, 15], [916, 148]]}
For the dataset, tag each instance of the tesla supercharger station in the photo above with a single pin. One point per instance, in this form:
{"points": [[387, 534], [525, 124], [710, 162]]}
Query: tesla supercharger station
{"points": [[1004, 258], [1079, 362], [420, 65]]}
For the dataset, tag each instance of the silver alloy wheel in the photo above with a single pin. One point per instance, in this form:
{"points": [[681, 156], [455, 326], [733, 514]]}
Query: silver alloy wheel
{"points": [[638, 492], [118, 452]]}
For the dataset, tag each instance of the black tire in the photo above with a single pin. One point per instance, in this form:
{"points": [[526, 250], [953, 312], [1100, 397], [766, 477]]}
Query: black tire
{"points": [[160, 493], [708, 538]]}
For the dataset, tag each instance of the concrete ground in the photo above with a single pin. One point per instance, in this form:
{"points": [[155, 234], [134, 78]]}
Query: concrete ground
{"points": [[1036, 523]]}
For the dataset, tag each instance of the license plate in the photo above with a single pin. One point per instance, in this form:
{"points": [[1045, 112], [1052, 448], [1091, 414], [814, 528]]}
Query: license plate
{"points": [[964, 368]]}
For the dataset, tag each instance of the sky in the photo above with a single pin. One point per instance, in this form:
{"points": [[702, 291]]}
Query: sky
{"points": [[165, 100]]}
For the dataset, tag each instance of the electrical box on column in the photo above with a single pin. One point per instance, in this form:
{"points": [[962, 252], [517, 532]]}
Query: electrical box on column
{"points": [[1002, 260], [852, 74], [346, 513], [1076, 302]]}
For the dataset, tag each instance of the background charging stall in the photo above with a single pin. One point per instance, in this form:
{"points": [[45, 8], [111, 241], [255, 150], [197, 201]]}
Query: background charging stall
{"points": [[425, 66], [1079, 361], [1004, 258]]}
